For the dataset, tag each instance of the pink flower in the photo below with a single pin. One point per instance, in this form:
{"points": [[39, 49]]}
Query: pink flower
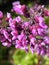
{"points": [[16, 3], [46, 12], [19, 9], [1, 14], [8, 15], [6, 44], [18, 19], [40, 21], [46, 39]]}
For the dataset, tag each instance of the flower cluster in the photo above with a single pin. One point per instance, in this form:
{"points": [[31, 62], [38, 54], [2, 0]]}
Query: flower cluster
{"points": [[31, 33]]}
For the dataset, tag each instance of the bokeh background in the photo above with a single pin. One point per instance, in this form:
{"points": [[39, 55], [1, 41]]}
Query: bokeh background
{"points": [[12, 56]]}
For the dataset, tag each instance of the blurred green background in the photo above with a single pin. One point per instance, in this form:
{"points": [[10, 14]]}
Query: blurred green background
{"points": [[12, 56]]}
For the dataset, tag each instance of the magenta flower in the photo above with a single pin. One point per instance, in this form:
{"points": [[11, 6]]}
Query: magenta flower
{"points": [[14, 33], [18, 19], [46, 39], [46, 12], [6, 44], [16, 3], [28, 33], [18, 8], [1, 14]]}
